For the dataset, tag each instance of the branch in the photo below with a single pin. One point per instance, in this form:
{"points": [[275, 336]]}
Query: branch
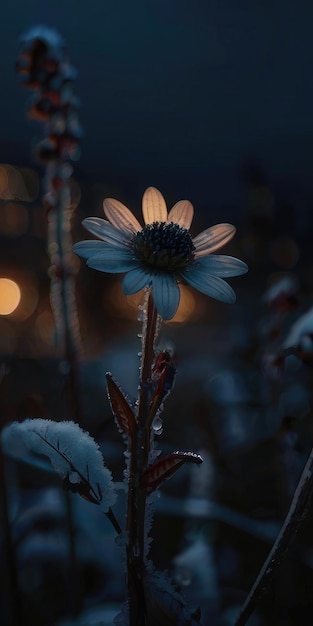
{"points": [[295, 517]]}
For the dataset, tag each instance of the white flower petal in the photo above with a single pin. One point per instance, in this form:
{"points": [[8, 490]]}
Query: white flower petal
{"points": [[221, 265], [87, 249], [209, 285], [113, 260], [213, 238], [105, 231], [181, 213], [135, 280], [153, 206], [120, 216], [166, 294]]}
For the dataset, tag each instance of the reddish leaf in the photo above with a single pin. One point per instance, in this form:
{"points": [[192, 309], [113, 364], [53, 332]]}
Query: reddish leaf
{"points": [[164, 386], [163, 375], [163, 469], [120, 408], [162, 359]]}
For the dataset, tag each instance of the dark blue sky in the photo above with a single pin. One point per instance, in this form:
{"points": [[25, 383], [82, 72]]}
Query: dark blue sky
{"points": [[178, 94]]}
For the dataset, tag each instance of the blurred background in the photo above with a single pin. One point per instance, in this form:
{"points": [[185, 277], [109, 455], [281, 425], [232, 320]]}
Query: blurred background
{"points": [[209, 101]]}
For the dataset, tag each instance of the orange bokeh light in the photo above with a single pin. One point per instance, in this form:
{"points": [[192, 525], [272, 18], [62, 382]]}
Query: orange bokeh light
{"points": [[10, 296], [128, 307]]}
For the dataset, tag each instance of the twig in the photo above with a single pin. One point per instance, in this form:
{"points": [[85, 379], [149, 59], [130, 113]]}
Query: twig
{"points": [[295, 517]]}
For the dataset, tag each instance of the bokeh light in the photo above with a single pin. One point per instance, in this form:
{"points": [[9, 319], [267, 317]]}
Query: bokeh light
{"points": [[18, 183], [19, 294], [186, 306], [14, 219], [29, 296], [123, 307], [10, 296], [3, 181], [126, 307], [8, 336]]}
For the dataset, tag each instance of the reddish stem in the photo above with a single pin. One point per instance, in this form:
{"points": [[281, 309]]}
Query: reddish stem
{"points": [[139, 449]]}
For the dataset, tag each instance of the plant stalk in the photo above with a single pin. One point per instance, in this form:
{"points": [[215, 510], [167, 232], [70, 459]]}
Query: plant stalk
{"points": [[139, 449], [296, 515]]}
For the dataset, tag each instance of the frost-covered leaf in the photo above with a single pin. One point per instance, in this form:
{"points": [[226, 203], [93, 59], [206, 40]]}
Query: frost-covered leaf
{"points": [[120, 408], [299, 339], [163, 469], [122, 618], [300, 330], [72, 452], [283, 294], [165, 605]]}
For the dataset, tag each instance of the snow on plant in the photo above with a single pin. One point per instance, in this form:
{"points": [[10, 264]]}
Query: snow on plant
{"points": [[73, 453]]}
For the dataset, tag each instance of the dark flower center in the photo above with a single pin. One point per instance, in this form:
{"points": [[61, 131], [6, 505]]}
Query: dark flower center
{"points": [[163, 245]]}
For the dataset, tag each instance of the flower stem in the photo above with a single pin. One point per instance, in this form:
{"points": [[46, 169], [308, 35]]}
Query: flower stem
{"points": [[148, 351], [139, 449], [295, 517]]}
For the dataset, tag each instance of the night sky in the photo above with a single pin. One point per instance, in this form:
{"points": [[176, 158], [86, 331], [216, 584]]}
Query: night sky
{"points": [[183, 96]]}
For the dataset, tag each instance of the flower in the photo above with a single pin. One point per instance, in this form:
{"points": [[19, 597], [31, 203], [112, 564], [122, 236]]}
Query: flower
{"points": [[162, 252]]}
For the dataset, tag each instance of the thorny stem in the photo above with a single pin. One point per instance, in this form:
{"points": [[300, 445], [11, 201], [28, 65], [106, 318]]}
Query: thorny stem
{"points": [[148, 353], [139, 449], [295, 517]]}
